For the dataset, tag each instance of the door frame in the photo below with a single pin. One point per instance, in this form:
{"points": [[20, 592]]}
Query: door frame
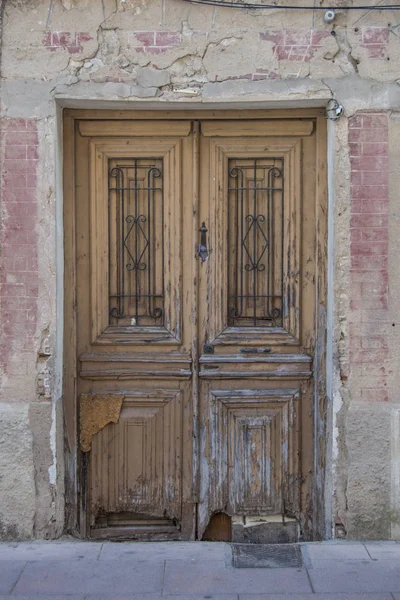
{"points": [[76, 467]]}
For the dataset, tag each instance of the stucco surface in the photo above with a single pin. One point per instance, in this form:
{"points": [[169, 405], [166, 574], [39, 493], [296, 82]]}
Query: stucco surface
{"points": [[17, 485]]}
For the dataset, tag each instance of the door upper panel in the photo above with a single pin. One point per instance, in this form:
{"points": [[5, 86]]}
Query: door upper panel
{"points": [[252, 205], [136, 204]]}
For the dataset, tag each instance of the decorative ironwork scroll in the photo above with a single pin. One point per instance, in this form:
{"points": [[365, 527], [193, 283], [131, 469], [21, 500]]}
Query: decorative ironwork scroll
{"points": [[255, 242], [136, 243]]}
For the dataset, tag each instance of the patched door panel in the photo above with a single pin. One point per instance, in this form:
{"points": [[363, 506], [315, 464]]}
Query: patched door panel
{"points": [[138, 468], [135, 328]]}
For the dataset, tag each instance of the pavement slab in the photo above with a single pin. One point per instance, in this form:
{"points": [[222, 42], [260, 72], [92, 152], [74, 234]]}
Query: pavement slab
{"points": [[385, 551], [208, 578], [42, 597], [202, 551], [76, 570], [163, 597], [9, 573], [41, 550], [319, 552], [91, 577], [356, 578], [200, 596], [294, 596]]}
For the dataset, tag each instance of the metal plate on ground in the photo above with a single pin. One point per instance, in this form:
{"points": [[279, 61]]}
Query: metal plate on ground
{"points": [[267, 556]]}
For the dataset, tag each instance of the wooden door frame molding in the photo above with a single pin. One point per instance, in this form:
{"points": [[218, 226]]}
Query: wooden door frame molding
{"points": [[75, 461]]}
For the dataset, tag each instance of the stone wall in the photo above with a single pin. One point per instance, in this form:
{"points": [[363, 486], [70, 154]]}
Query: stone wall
{"points": [[159, 54]]}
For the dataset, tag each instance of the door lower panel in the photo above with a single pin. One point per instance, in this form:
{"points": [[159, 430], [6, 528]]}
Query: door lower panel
{"points": [[250, 447]]}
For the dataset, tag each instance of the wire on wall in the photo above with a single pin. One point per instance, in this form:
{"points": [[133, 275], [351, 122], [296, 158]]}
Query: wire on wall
{"points": [[251, 5]]}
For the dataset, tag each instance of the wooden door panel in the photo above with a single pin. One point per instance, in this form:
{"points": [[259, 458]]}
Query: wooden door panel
{"points": [[128, 128], [275, 366], [266, 128], [137, 472], [135, 216], [250, 445], [256, 344], [144, 366], [251, 205], [134, 323]]}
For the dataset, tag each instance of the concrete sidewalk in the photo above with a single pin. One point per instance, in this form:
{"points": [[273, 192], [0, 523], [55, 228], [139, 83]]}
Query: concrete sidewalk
{"points": [[78, 570]]}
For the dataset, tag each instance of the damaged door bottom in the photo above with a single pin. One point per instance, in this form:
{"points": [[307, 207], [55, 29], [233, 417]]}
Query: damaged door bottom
{"points": [[241, 529], [100, 413], [131, 526], [271, 529]]}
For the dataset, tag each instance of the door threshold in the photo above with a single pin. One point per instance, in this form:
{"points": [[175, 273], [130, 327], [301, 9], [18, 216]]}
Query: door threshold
{"points": [[142, 533]]}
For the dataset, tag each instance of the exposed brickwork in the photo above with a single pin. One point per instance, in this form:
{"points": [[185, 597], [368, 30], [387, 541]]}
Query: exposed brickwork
{"points": [[19, 258], [302, 44], [375, 40], [155, 42], [297, 45], [293, 45], [64, 40], [368, 139]]}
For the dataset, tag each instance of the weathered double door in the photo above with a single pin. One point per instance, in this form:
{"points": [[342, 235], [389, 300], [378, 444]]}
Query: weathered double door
{"points": [[196, 291]]}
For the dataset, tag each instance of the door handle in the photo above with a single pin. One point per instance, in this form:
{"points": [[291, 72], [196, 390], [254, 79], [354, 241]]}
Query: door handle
{"points": [[202, 247]]}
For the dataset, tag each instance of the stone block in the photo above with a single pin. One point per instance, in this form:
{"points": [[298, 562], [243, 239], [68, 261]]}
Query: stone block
{"points": [[148, 77], [368, 441], [17, 487], [259, 530]]}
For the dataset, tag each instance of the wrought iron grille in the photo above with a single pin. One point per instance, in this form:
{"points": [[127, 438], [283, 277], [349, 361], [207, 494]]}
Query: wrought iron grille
{"points": [[255, 242], [136, 242]]}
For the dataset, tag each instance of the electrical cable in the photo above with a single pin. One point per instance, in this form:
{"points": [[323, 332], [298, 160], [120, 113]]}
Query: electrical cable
{"points": [[230, 4]]}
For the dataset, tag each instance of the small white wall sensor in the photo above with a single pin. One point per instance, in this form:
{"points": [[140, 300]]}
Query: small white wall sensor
{"points": [[329, 16]]}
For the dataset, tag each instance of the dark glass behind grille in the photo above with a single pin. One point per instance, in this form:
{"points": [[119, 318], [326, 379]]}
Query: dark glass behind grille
{"points": [[255, 242], [136, 246]]}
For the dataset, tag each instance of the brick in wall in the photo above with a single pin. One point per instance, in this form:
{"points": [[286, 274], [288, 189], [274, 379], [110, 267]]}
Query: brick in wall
{"points": [[369, 161], [295, 45], [19, 283], [64, 40], [155, 42]]}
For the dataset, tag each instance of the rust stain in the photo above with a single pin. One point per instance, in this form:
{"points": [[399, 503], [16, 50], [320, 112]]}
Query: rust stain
{"points": [[96, 411]]}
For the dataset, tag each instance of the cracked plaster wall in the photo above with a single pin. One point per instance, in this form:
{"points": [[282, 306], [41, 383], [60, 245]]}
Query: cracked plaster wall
{"points": [[172, 52]]}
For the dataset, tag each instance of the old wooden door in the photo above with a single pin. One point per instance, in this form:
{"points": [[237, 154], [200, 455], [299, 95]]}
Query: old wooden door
{"points": [[197, 250]]}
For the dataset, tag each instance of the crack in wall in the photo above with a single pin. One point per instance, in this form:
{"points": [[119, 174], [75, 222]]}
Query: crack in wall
{"points": [[347, 62]]}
